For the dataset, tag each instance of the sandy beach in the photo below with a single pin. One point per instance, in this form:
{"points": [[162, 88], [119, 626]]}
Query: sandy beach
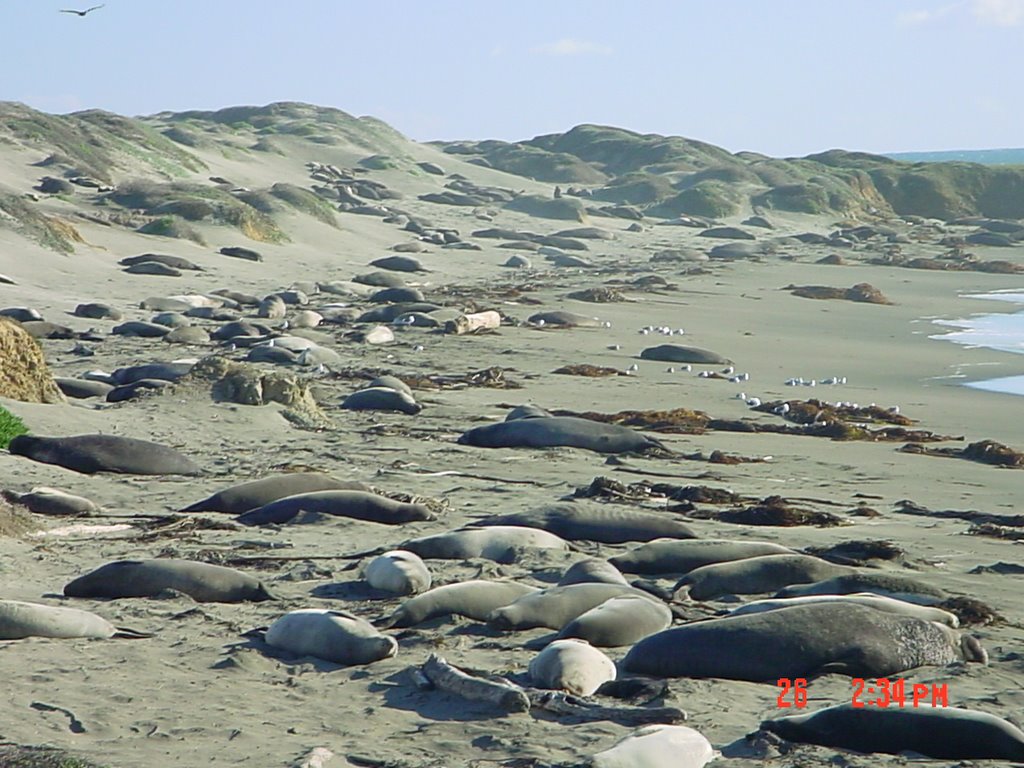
{"points": [[204, 690]]}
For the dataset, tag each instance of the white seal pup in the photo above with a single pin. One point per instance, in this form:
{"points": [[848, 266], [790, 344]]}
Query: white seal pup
{"points": [[336, 636], [398, 572], [573, 666], [52, 501], [658, 746]]}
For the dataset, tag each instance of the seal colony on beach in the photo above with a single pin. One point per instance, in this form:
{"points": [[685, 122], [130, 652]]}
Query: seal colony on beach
{"points": [[298, 478]]}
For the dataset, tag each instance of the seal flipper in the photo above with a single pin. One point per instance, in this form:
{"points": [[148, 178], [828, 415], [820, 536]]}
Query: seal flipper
{"points": [[126, 633]]}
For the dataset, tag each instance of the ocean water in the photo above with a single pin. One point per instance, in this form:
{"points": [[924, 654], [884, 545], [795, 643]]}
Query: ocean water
{"points": [[1003, 331]]}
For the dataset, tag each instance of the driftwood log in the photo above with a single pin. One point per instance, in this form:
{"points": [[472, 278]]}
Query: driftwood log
{"points": [[437, 673]]}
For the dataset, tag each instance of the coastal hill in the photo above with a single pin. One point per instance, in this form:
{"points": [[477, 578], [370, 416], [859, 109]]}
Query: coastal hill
{"points": [[153, 174]]}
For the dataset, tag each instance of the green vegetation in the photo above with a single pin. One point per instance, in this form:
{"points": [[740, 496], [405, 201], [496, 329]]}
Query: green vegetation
{"points": [[713, 199], [172, 226], [10, 427], [14, 756], [305, 201], [565, 208], [55, 234], [379, 163]]}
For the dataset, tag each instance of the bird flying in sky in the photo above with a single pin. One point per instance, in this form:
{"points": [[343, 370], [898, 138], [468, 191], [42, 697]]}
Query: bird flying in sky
{"points": [[82, 13]]}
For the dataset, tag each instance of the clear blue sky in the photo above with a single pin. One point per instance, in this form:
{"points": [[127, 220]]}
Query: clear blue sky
{"points": [[783, 77]]}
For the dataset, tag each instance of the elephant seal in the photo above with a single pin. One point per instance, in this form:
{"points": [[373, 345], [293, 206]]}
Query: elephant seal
{"points": [[564, 319], [683, 556], [658, 746], [675, 353], [527, 411], [473, 599], [336, 636], [556, 431], [104, 453], [164, 371], [80, 389], [878, 602], [880, 583], [203, 582], [556, 606], [942, 733], [19, 620], [402, 573], [399, 264], [391, 382], [358, 505], [753, 575], [241, 498], [52, 501], [573, 666], [590, 571], [802, 641], [606, 523], [619, 621], [499, 543], [381, 399]]}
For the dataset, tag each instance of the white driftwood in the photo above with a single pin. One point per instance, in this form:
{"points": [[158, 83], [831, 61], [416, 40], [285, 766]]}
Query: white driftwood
{"points": [[450, 679], [472, 323]]}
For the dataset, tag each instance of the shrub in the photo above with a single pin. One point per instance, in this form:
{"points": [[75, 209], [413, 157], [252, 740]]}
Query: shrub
{"points": [[10, 427]]}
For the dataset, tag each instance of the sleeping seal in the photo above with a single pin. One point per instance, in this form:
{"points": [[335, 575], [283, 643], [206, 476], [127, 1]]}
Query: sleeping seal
{"points": [[357, 505], [19, 620], [472, 599], [752, 575], [241, 498], [592, 570], [682, 556], [381, 399], [573, 666], [658, 746], [622, 620], [557, 606], [943, 733], [402, 573], [336, 636], [881, 583], [203, 582], [499, 543], [556, 431], [104, 453], [878, 602], [606, 523], [802, 641], [52, 501]]}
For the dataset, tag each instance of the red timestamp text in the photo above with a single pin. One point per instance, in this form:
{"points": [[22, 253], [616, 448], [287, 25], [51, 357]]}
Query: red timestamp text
{"points": [[880, 692]]}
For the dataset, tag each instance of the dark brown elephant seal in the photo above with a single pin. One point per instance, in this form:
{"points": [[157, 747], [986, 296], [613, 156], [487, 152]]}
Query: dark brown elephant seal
{"points": [[203, 582], [241, 498], [358, 505], [556, 431], [755, 575], [942, 733], [802, 641], [606, 523], [104, 453], [683, 556], [675, 353]]}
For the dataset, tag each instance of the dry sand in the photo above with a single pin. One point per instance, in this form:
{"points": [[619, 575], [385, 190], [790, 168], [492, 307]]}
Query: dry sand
{"points": [[199, 692]]}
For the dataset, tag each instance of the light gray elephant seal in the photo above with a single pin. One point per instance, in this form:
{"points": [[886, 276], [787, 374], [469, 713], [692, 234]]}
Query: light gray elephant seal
{"points": [[19, 620], [241, 498], [657, 746], [573, 666], [802, 641], [203, 582], [942, 733], [52, 501], [381, 399], [606, 523], [619, 621], [592, 570], [499, 543], [754, 575], [398, 572], [336, 636], [556, 431], [881, 583], [557, 606], [871, 600], [104, 453], [683, 556], [472, 599], [358, 505]]}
